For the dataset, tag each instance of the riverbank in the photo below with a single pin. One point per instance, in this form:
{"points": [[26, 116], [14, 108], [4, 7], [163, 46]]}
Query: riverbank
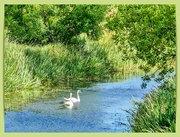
{"points": [[157, 113], [32, 67]]}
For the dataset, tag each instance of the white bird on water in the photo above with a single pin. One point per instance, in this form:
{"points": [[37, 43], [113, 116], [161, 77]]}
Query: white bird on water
{"points": [[73, 99], [69, 103]]}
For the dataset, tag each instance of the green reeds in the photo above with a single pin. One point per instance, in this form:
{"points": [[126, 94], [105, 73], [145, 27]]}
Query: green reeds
{"points": [[157, 113], [17, 75], [54, 63], [48, 66]]}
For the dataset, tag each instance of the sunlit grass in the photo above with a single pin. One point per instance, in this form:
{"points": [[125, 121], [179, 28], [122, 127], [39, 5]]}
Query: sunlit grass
{"points": [[27, 67], [17, 75], [157, 113]]}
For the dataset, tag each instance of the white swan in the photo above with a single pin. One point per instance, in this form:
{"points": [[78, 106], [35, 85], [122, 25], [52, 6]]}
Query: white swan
{"points": [[74, 100], [69, 103]]}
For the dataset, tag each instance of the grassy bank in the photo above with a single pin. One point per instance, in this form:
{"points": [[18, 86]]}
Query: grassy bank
{"points": [[17, 75], [33, 67], [28, 67], [157, 113]]}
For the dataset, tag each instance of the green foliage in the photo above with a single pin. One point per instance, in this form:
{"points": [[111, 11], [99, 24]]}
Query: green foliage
{"points": [[151, 30], [23, 23], [17, 75], [43, 24], [157, 113], [143, 35], [54, 64], [81, 19]]}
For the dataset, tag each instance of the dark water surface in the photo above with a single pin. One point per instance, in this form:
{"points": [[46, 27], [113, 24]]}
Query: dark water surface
{"points": [[101, 110]]}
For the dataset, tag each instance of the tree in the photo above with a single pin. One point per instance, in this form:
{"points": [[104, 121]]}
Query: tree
{"points": [[43, 24], [23, 23], [81, 19], [152, 31]]}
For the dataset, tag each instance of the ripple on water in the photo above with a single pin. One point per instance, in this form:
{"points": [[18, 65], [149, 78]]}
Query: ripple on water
{"points": [[101, 110]]}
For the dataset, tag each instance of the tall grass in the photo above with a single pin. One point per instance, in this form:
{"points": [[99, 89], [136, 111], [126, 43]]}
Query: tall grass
{"points": [[53, 64], [17, 75], [157, 113]]}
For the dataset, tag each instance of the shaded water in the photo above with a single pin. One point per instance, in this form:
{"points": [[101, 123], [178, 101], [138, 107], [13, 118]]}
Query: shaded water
{"points": [[101, 110]]}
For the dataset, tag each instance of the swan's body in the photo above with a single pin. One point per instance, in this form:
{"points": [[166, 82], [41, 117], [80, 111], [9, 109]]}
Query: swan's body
{"points": [[69, 103], [74, 100]]}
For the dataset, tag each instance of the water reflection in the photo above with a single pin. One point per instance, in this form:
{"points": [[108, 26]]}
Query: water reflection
{"points": [[17, 100], [101, 110]]}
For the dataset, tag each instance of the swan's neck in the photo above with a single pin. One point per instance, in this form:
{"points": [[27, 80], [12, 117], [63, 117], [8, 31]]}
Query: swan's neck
{"points": [[78, 98], [70, 96]]}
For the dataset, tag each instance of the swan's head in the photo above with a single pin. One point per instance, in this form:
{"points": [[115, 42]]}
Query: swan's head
{"points": [[79, 91]]}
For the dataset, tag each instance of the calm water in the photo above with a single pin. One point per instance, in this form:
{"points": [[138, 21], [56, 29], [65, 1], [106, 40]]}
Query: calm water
{"points": [[101, 110]]}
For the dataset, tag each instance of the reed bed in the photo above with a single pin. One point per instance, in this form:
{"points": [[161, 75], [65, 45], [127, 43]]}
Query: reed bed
{"points": [[27, 67], [157, 112]]}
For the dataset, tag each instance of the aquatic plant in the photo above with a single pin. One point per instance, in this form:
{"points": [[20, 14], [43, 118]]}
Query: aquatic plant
{"points": [[157, 113]]}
